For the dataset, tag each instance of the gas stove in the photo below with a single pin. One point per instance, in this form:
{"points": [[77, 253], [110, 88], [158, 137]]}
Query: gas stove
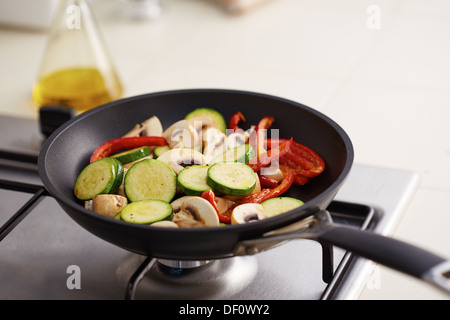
{"points": [[46, 255]]}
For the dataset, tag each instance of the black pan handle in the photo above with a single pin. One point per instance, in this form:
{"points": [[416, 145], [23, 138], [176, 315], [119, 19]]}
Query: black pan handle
{"points": [[390, 252]]}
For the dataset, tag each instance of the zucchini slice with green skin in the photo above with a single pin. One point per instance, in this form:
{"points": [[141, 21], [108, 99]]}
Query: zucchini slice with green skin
{"points": [[159, 150], [132, 155], [98, 177], [193, 180], [215, 116], [278, 205], [242, 154], [119, 175], [232, 178], [146, 211], [150, 179]]}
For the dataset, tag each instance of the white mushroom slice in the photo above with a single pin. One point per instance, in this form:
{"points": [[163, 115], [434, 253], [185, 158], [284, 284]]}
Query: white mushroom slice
{"points": [[214, 142], [178, 214], [272, 172], [135, 132], [200, 124], [108, 204], [223, 204], [188, 223], [176, 204], [150, 127], [201, 210], [193, 211], [182, 134], [165, 224], [247, 213], [178, 159], [236, 139], [182, 215]]}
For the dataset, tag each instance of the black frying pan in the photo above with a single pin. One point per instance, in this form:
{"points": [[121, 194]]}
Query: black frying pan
{"points": [[68, 149]]}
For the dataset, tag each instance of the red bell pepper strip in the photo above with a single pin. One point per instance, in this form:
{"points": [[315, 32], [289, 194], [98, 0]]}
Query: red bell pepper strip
{"points": [[268, 193], [114, 145], [301, 158], [265, 123], [285, 184], [261, 128], [234, 120], [265, 194], [272, 154], [267, 182], [209, 195], [299, 179]]}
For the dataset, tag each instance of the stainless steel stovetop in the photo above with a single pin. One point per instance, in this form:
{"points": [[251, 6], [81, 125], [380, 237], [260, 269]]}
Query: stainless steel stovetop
{"points": [[48, 256]]}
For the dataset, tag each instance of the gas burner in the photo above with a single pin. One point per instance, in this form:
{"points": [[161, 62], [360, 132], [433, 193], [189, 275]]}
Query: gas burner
{"points": [[183, 264], [157, 279]]}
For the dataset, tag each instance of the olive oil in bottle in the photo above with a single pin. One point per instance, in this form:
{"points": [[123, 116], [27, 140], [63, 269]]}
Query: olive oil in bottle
{"points": [[77, 88], [76, 70]]}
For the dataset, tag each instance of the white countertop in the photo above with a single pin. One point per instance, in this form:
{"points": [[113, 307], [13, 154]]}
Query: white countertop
{"points": [[389, 88]]}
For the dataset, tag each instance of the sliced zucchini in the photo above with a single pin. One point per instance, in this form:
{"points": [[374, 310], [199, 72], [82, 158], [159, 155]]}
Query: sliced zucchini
{"points": [[146, 211], [192, 180], [242, 154], [150, 179], [96, 178], [159, 150], [232, 178], [215, 116], [132, 155], [276, 206], [119, 175]]}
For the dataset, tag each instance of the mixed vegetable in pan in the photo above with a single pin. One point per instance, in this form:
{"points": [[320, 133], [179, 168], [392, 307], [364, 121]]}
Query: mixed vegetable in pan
{"points": [[198, 172]]}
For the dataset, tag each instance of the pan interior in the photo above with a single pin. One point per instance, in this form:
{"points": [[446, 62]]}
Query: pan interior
{"points": [[67, 151], [70, 152]]}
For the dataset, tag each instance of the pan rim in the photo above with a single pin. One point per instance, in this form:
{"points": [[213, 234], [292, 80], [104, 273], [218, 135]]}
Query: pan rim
{"points": [[265, 225]]}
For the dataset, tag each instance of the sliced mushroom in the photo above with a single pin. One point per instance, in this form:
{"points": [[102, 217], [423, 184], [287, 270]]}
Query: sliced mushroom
{"points": [[188, 223], [223, 204], [182, 134], [176, 206], [150, 127], [272, 172], [200, 124], [236, 139], [165, 224], [178, 159], [107, 204], [193, 211], [214, 143], [201, 210], [183, 218], [135, 132], [247, 213]]}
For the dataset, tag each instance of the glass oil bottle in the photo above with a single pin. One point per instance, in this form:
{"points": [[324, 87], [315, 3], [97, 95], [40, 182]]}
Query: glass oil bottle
{"points": [[76, 70]]}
